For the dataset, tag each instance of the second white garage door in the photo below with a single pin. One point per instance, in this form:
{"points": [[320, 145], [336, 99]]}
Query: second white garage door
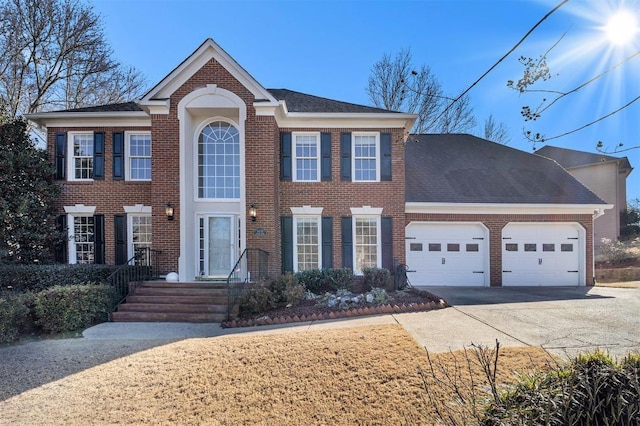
{"points": [[542, 254], [447, 254]]}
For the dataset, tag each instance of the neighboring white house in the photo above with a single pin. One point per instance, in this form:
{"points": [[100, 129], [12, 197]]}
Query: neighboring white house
{"points": [[604, 175]]}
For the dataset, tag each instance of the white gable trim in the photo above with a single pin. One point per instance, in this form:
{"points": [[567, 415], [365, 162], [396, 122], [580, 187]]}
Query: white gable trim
{"points": [[366, 210], [80, 209], [138, 208], [469, 208], [306, 210], [203, 54]]}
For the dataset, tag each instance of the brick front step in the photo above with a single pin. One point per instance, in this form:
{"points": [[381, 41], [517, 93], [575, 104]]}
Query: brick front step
{"points": [[166, 317], [161, 301]]}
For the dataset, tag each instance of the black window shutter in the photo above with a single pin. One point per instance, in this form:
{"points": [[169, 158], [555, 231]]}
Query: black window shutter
{"points": [[98, 155], [285, 156], [98, 238], [60, 152], [345, 156], [286, 231], [327, 242], [120, 226], [61, 244], [386, 232], [325, 161], [347, 242], [118, 156], [385, 154]]}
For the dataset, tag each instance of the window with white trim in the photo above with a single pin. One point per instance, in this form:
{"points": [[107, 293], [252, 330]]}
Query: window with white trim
{"points": [[366, 247], [307, 243], [306, 157], [82, 241], [138, 153], [366, 157], [140, 237], [219, 162], [81, 156]]}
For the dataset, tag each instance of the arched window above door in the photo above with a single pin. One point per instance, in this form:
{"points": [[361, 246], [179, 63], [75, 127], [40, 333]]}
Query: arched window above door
{"points": [[219, 161]]}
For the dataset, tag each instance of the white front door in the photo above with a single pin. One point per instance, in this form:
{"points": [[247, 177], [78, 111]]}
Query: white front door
{"points": [[218, 245]]}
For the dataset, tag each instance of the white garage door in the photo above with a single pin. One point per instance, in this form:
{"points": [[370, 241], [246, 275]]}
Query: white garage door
{"points": [[447, 254], [542, 254]]}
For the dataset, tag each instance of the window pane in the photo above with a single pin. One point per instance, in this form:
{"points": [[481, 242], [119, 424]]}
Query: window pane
{"points": [[548, 247], [472, 247], [83, 236], [365, 161], [141, 238], [366, 244], [140, 157], [415, 247], [219, 159], [434, 247], [307, 243], [566, 247], [511, 247], [83, 156], [306, 157], [453, 247], [530, 247]]}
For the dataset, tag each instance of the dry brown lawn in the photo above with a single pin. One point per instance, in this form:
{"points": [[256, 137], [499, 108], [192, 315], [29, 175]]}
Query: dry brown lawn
{"points": [[363, 375]]}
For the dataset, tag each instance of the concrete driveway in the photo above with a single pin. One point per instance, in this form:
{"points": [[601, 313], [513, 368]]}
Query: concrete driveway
{"points": [[564, 320]]}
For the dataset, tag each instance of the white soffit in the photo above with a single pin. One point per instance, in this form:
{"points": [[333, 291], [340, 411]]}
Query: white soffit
{"points": [[466, 208]]}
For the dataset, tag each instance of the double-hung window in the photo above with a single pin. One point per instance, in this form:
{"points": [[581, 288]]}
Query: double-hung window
{"points": [[81, 155], [306, 153], [367, 247], [83, 240], [140, 237], [307, 242], [138, 153], [366, 157]]}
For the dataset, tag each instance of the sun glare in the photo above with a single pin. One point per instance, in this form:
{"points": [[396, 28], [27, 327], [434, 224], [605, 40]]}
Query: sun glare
{"points": [[621, 28]]}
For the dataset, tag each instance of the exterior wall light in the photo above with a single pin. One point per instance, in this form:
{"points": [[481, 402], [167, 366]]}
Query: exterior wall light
{"points": [[253, 212], [168, 210]]}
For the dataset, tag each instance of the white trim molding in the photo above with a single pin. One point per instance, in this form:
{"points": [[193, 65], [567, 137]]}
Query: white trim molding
{"points": [[306, 210], [137, 209], [80, 209], [366, 211], [482, 208]]}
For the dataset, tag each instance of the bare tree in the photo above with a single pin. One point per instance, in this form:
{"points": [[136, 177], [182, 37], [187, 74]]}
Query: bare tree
{"points": [[54, 55], [395, 84], [496, 132]]}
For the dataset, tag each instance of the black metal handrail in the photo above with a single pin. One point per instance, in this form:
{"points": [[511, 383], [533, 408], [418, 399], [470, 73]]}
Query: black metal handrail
{"points": [[253, 264], [141, 267]]}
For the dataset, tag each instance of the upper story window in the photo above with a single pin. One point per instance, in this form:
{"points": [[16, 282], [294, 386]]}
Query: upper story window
{"points": [[366, 157], [306, 151], [81, 155], [219, 161], [138, 153]]}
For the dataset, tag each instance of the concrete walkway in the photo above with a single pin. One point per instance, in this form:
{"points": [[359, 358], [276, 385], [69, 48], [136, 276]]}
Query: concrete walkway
{"points": [[563, 320]]}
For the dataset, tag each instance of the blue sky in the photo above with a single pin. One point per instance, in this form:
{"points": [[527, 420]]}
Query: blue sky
{"points": [[327, 48]]}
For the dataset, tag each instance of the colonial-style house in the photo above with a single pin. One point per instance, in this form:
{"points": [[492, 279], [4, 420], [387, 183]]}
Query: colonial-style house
{"points": [[209, 164]]}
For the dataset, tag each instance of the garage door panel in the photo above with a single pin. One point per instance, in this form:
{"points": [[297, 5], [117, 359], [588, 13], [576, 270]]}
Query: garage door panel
{"points": [[446, 254], [540, 254]]}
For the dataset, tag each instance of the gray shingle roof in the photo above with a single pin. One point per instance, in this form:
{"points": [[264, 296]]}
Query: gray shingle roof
{"points": [[125, 106], [301, 102], [458, 168], [568, 158]]}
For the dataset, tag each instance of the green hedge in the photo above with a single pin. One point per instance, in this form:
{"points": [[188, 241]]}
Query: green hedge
{"points": [[15, 315], [70, 308], [23, 278], [321, 280]]}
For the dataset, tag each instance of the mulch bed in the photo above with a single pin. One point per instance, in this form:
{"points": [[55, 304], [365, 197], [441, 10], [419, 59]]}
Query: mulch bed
{"points": [[410, 300]]}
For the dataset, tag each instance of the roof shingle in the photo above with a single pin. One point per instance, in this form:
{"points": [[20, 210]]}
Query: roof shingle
{"points": [[302, 102], [458, 168]]}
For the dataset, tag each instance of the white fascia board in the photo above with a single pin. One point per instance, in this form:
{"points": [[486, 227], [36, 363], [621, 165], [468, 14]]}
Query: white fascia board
{"points": [[473, 208], [91, 119], [345, 120], [155, 106], [203, 54]]}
